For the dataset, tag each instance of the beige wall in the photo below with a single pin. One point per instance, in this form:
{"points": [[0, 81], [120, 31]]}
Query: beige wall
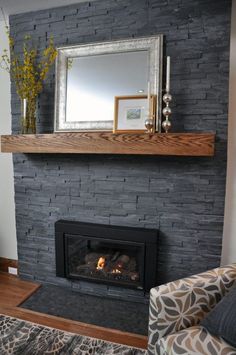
{"points": [[229, 238], [8, 246]]}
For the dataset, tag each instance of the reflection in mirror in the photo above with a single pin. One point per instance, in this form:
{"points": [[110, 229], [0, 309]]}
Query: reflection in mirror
{"points": [[94, 81], [90, 76]]}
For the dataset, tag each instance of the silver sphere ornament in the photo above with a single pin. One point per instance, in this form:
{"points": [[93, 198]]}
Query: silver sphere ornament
{"points": [[167, 98], [166, 125], [166, 111], [149, 124]]}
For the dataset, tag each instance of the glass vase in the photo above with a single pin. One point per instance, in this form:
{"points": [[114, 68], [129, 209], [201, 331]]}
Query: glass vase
{"points": [[28, 115]]}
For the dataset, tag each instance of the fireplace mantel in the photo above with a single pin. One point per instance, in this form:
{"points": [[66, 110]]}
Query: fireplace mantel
{"points": [[177, 144]]}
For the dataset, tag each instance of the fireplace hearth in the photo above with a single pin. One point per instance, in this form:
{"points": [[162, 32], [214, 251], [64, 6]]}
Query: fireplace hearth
{"points": [[112, 255]]}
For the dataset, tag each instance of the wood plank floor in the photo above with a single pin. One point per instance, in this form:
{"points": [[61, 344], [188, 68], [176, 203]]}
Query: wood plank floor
{"points": [[14, 291]]}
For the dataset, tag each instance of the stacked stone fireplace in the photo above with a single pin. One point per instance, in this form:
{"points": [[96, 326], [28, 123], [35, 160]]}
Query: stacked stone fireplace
{"points": [[181, 197]]}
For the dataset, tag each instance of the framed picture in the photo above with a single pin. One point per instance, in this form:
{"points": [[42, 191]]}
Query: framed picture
{"points": [[131, 113]]}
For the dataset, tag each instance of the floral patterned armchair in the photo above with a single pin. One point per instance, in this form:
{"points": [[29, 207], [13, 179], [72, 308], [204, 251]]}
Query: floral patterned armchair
{"points": [[176, 308]]}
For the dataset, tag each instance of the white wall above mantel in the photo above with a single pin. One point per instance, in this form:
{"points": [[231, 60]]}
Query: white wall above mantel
{"points": [[229, 237], [8, 248]]}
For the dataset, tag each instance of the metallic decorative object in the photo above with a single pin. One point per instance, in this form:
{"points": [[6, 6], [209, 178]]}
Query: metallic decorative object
{"points": [[151, 45], [166, 125], [149, 123], [167, 98], [151, 116]]}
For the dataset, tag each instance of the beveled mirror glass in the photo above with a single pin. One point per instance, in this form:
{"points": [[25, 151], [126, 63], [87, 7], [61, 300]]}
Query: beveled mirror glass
{"points": [[89, 77]]}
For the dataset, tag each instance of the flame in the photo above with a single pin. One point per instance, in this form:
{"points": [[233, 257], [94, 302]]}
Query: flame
{"points": [[116, 271], [101, 263]]}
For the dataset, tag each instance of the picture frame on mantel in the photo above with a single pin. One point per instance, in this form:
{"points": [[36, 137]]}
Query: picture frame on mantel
{"points": [[131, 113]]}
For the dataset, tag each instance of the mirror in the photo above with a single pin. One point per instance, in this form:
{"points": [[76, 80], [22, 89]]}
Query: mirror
{"points": [[89, 77]]}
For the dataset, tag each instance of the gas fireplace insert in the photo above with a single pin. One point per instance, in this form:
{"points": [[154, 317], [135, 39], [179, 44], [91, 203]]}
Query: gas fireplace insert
{"points": [[112, 255]]}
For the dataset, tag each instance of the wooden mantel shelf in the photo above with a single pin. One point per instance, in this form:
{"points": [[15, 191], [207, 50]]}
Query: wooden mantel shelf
{"points": [[185, 144]]}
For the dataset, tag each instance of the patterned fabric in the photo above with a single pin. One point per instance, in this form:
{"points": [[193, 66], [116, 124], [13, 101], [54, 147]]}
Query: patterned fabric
{"points": [[194, 341], [20, 337], [183, 303]]}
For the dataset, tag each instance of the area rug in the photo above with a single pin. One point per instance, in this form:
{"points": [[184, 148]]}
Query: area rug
{"points": [[26, 338]]}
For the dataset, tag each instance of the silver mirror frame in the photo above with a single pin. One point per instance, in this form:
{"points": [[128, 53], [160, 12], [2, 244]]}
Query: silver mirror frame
{"points": [[154, 46]]}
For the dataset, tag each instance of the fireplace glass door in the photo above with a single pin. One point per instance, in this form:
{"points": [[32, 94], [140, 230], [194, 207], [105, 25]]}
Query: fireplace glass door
{"points": [[105, 260]]}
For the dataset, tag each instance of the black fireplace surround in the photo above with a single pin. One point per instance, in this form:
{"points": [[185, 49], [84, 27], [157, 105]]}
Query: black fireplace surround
{"points": [[112, 255]]}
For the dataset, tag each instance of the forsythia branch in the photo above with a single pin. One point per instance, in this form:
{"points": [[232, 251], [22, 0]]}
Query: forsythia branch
{"points": [[27, 73]]}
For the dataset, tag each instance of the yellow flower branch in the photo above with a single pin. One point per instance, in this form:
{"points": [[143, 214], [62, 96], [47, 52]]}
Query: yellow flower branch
{"points": [[27, 72]]}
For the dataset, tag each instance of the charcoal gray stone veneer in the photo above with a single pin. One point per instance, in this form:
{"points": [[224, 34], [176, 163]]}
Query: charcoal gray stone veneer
{"points": [[183, 197], [102, 311]]}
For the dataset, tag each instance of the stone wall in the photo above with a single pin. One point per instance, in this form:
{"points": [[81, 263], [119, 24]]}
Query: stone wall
{"points": [[182, 197]]}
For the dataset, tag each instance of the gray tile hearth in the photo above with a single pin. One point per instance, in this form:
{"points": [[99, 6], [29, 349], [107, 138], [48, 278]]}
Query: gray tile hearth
{"points": [[117, 314]]}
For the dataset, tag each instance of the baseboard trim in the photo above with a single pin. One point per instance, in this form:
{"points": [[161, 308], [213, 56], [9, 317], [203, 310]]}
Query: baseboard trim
{"points": [[5, 263]]}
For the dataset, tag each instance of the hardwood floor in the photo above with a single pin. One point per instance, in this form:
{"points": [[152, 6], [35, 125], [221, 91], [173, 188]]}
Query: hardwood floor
{"points": [[14, 291]]}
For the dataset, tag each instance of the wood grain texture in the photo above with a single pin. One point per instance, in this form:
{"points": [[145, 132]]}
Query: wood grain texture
{"points": [[178, 144], [5, 263], [14, 291]]}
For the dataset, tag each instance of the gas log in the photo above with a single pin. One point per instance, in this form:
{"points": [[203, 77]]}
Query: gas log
{"points": [[110, 265]]}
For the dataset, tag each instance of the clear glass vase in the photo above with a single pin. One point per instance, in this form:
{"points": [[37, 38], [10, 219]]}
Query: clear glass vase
{"points": [[28, 115]]}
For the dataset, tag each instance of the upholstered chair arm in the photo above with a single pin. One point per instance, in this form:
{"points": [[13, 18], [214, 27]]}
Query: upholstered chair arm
{"points": [[183, 303]]}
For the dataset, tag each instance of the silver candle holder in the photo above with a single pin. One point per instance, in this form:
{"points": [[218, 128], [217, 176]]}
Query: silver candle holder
{"points": [[149, 124], [150, 120], [167, 98], [166, 125]]}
